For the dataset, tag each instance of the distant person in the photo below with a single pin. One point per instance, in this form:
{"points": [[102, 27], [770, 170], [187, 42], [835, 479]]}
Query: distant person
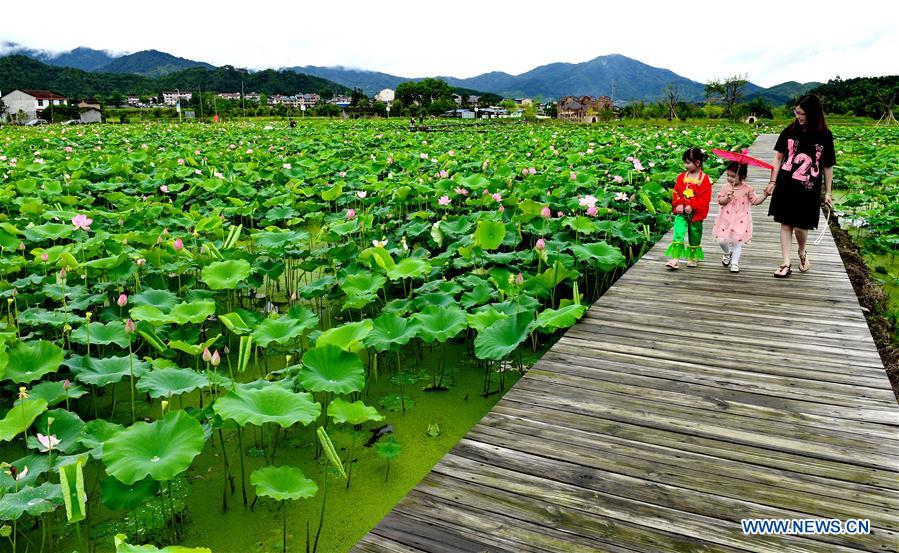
{"points": [[293, 124], [690, 200], [412, 124], [733, 227], [804, 161]]}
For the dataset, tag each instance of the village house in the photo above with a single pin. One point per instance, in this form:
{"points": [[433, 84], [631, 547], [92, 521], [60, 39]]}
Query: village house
{"points": [[172, 98], [234, 96], [89, 103], [584, 109], [388, 95], [91, 115], [24, 105], [132, 100]]}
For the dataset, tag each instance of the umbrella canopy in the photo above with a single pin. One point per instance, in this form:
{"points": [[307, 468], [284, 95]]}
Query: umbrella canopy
{"points": [[742, 158]]}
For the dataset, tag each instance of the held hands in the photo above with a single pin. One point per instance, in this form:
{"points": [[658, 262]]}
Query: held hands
{"points": [[769, 189], [679, 209], [688, 210]]}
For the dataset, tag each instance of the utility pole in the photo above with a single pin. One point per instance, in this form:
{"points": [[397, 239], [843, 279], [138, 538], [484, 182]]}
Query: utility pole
{"points": [[243, 105]]}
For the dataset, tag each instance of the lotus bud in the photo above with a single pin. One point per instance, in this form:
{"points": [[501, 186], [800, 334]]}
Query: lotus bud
{"points": [[287, 360], [15, 292], [519, 279], [23, 392], [215, 359], [178, 244], [21, 246], [141, 261], [226, 350], [45, 257], [66, 328], [122, 301], [165, 405], [207, 356], [88, 315], [66, 384], [546, 213], [541, 244], [130, 327]]}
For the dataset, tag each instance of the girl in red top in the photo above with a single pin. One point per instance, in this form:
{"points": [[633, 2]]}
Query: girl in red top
{"points": [[690, 200]]}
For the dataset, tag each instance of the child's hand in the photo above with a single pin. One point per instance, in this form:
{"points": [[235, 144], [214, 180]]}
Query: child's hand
{"points": [[679, 209], [688, 210]]}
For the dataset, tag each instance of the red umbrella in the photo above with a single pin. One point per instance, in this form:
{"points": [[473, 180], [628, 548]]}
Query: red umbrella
{"points": [[742, 158]]}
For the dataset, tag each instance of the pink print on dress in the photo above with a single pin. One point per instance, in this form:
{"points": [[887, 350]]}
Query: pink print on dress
{"points": [[792, 146]]}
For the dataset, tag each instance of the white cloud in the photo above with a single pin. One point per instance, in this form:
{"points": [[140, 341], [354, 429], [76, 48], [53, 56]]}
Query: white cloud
{"points": [[772, 41]]}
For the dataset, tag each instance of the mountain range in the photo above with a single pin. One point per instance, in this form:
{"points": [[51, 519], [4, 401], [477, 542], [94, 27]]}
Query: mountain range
{"points": [[623, 78]]}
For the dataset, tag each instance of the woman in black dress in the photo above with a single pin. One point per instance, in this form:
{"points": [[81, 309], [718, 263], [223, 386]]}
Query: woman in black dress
{"points": [[803, 162]]}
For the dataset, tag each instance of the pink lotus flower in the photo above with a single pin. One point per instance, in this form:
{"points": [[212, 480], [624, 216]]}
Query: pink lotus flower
{"points": [[532, 170], [423, 155], [342, 174], [524, 172], [45, 257], [66, 384], [637, 165], [519, 280], [502, 209], [621, 196], [572, 175], [197, 172], [592, 211], [130, 327], [444, 174], [47, 443], [140, 261], [180, 161], [389, 160], [559, 214], [617, 179], [444, 200], [451, 153], [178, 244], [68, 148], [249, 150], [122, 301], [588, 201], [21, 246], [164, 189], [286, 166], [546, 213], [207, 355], [350, 214], [541, 244], [362, 194], [497, 196], [196, 152], [216, 358], [81, 221]]}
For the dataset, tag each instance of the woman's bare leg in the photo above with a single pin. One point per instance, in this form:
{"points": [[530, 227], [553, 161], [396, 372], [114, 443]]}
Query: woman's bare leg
{"points": [[801, 236], [786, 241]]}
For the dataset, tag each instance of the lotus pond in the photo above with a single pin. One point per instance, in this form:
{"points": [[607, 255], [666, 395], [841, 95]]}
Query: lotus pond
{"points": [[248, 337]]}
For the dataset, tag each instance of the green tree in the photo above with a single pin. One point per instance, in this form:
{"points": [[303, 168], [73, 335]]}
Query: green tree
{"points": [[727, 91]]}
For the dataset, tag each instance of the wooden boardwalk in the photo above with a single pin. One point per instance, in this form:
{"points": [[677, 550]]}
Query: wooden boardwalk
{"points": [[680, 404]]}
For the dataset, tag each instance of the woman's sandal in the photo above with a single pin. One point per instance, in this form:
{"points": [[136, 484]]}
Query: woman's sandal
{"points": [[804, 265], [672, 265], [786, 271]]}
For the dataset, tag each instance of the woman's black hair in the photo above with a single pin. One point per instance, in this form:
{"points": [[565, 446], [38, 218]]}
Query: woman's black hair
{"points": [[739, 168], [695, 155], [814, 115]]}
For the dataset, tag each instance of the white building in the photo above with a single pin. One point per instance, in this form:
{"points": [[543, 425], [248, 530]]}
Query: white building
{"points": [[91, 115], [29, 104], [171, 98], [387, 95]]}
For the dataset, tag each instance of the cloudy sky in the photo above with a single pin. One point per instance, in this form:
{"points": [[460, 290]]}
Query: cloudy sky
{"points": [[771, 41]]}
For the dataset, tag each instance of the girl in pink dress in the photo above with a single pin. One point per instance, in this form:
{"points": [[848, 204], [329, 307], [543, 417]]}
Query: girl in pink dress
{"points": [[733, 228]]}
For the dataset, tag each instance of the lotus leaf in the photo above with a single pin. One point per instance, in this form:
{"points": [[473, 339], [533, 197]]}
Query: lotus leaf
{"points": [[348, 336], [489, 234], [33, 501], [159, 449], [171, 382], [282, 483], [95, 433], [121, 546], [440, 323], [66, 426], [390, 329], [501, 339], [354, 413], [411, 267], [29, 361], [163, 300], [122, 497], [388, 449], [330, 369], [599, 254], [20, 417], [101, 334], [225, 275], [560, 318], [107, 370], [193, 312], [71, 483], [269, 404], [56, 392], [279, 331]]}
